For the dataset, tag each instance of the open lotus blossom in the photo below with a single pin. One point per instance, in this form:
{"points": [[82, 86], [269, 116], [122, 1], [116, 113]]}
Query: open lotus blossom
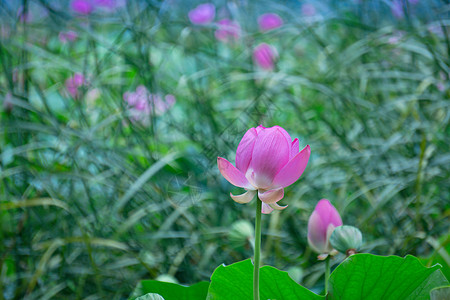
{"points": [[267, 161], [227, 30], [322, 222], [269, 21], [264, 56], [202, 14]]}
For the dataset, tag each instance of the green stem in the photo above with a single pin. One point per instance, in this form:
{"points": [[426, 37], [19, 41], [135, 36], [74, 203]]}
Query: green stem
{"points": [[257, 250], [327, 273]]}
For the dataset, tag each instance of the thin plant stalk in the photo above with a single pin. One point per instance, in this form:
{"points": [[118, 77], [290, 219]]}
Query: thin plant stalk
{"points": [[327, 273], [257, 250]]}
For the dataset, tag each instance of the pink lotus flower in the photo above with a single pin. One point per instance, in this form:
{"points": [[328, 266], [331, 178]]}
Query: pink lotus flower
{"points": [[267, 161], [264, 56], [269, 21], [67, 36], [228, 30], [74, 83], [322, 222], [202, 14], [83, 7]]}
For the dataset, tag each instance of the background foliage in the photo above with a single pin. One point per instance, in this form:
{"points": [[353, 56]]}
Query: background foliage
{"points": [[92, 201]]}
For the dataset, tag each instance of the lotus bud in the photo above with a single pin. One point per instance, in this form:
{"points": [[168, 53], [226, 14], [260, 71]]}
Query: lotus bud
{"points": [[346, 239], [321, 224]]}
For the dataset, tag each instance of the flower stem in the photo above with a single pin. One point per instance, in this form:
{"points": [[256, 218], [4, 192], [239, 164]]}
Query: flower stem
{"points": [[257, 250], [327, 273]]}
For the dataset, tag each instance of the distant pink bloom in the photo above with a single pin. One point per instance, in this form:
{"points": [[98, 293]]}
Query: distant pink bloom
{"points": [[264, 56], [74, 83], [7, 103], [83, 7], [24, 16], [308, 10], [397, 9], [67, 36], [105, 3], [396, 37], [228, 30], [440, 86], [5, 31], [267, 161], [202, 14], [436, 29], [413, 2], [142, 103], [321, 224], [269, 21]]}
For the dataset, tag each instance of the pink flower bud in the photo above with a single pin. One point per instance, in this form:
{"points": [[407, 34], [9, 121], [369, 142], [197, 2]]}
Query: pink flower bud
{"points": [[202, 14], [264, 56], [322, 222], [267, 161], [269, 21]]}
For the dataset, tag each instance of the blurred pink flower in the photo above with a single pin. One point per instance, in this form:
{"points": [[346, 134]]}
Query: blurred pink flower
{"points": [[269, 21], [142, 103], [267, 161], [264, 56], [202, 14], [24, 16], [83, 7], [322, 222], [440, 86], [413, 2], [308, 10], [397, 9], [74, 83], [7, 103], [67, 36], [228, 30], [436, 29], [105, 3], [396, 37]]}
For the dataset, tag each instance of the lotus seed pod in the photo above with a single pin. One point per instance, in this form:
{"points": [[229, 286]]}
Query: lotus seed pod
{"points": [[346, 239], [241, 233]]}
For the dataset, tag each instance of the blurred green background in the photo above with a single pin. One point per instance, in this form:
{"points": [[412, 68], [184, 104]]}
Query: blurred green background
{"points": [[97, 193]]}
